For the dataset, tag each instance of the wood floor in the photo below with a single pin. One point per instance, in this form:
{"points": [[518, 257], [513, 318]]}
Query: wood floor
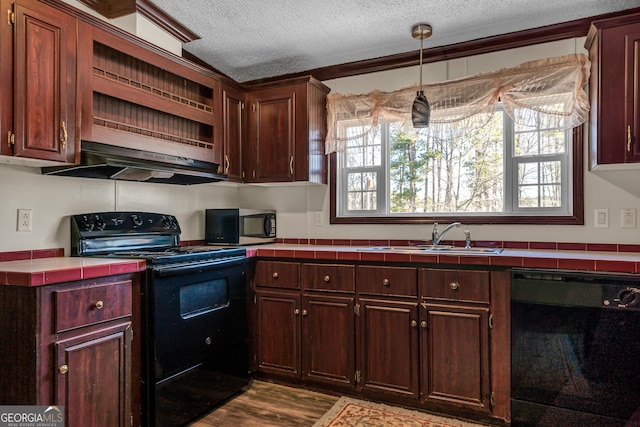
{"points": [[270, 405]]}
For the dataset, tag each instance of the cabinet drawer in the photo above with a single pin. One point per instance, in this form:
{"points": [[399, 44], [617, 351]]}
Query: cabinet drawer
{"points": [[328, 277], [276, 274], [387, 280], [85, 306], [458, 285]]}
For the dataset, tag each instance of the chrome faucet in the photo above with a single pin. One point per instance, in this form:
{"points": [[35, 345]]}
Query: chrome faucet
{"points": [[436, 237]]}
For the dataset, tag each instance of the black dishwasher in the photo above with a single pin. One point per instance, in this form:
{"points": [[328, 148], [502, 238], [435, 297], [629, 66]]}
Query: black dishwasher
{"points": [[575, 348]]}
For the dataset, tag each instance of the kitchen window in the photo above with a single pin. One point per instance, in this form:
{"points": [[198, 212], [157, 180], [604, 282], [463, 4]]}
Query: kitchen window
{"points": [[504, 147], [501, 168]]}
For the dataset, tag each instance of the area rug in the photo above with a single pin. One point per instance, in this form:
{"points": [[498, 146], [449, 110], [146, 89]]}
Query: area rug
{"points": [[348, 412]]}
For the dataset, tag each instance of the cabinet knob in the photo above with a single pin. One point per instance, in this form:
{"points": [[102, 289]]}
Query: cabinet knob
{"points": [[275, 275], [327, 278], [423, 324], [414, 323], [386, 282], [99, 304], [454, 285], [304, 312], [296, 311], [63, 369]]}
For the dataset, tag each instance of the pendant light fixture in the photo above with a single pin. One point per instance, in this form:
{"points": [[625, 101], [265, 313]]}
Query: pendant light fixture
{"points": [[421, 111]]}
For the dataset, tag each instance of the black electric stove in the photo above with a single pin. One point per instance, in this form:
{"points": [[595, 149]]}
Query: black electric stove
{"points": [[193, 315]]}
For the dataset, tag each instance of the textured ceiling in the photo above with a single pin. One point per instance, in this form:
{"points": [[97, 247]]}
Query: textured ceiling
{"points": [[251, 39]]}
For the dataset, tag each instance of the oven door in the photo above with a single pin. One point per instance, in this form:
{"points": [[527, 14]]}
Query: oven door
{"points": [[197, 312]]}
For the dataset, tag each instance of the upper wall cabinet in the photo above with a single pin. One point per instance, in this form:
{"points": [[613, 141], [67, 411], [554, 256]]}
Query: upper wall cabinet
{"points": [[286, 126], [135, 98], [233, 125], [38, 83], [614, 50]]}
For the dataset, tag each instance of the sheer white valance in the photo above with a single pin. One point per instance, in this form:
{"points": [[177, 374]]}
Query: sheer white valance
{"points": [[549, 91]]}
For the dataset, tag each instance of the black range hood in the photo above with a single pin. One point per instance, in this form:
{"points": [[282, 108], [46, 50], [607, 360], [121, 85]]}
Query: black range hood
{"points": [[106, 161]]}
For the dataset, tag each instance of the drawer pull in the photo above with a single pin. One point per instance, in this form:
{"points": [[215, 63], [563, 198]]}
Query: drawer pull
{"points": [[99, 304], [454, 285], [327, 278], [304, 312], [414, 323], [275, 275], [296, 311], [386, 282], [63, 369], [423, 324], [629, 138]]}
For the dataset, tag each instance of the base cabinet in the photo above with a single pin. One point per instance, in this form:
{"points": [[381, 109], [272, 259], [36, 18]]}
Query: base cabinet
{"points": [[455, 356], [389, 352], [72, 345]]}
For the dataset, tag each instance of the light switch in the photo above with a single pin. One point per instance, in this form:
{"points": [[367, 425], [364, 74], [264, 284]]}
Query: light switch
{"points": [[601, 218]]}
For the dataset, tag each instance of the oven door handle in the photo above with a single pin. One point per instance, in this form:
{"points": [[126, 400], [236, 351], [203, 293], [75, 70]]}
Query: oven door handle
{"points": [[172, 270]]}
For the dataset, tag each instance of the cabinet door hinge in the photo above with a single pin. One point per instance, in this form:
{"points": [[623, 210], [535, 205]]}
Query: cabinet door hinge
{"points": [[11, 17], [11, 138], [358, 377], [255, 299], [491, 321], [242, 105], [356, 309], [253, 107]]}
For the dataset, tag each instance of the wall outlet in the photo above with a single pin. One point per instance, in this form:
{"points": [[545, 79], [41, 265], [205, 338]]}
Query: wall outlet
{"points": [[601, 218], [628, 218], [24, 219]]}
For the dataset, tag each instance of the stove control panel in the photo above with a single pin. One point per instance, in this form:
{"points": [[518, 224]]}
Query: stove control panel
{"points": [[108, 223]]}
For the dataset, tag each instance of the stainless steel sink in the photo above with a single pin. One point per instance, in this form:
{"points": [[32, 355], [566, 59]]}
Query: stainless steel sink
{"points": [[440, 249]]}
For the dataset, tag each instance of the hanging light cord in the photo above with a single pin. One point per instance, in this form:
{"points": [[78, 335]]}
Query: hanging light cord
{"points": [[421, 39]]}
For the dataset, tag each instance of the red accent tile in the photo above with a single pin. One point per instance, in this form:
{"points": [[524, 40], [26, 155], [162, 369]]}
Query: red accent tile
{"points": [[543, 245], [448, 259], [312, 241], [486, 244], [252, 252], [15, 256], [475, 260], [360, 242], [577, 264], [326, 255], [284, 253], [603, 247], [47, 253], [3, 278], [617, 266], [342, 242], [379, 242], [507, 261], [572, 246], [24, 279], [266, 252], [629, 248], [306, 254], [288, 241], [372, 256], [349, 255], [129, 267], [540, 262], [324, 242], [60, 276], [515, 245], [397, 257], [424, 258], [400, 243], [91, 272]]}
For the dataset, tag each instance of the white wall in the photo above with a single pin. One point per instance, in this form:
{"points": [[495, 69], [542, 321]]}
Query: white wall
{"points": [[599, 194], [53, 199]]}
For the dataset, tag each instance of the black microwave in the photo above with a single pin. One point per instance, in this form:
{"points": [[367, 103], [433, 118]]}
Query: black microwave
{"points": [[239, 226]]}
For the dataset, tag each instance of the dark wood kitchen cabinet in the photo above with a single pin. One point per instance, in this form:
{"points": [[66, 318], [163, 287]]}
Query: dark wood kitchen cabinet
{"points": [[455, 339], [71, 345], [389, 349], [286, 125], [233, 123], [38, 116], [614, 88], [308, 336]]}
